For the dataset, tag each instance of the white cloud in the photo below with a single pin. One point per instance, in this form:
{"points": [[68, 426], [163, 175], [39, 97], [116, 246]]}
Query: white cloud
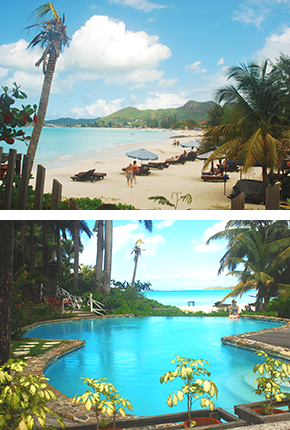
{"points": [[17, 56], [163, 224], [3, 73], [151, 245], [275, 44], [103, 47], [248, 15], [163, 100], [220, 61], [98, 109], [138, 78], [144, 5], [195, 67], [214, 246]]}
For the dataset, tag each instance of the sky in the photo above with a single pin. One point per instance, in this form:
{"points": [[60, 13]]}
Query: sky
{"points": [[149, 54], [174, 256]]}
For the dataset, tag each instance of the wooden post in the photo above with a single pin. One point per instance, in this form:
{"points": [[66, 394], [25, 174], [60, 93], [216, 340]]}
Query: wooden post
{"points": [[9, 180], [23, 190], [73, 205], [1, 152], [238, 203], [38, 197], [56, 195], [272, 197]]}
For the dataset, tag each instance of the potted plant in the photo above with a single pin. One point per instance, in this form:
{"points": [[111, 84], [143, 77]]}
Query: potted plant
{"points": [[273, 373], [194, 387], [105, 398]]}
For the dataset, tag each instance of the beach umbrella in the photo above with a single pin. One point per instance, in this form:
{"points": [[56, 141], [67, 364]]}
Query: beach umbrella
{"points": [[192, 144], [142, 154]]}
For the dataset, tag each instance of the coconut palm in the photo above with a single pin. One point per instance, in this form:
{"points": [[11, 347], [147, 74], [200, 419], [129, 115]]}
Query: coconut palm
{"points": [[262, 248], [52, 38], [108, 256], [136, 251], [257, 138]]}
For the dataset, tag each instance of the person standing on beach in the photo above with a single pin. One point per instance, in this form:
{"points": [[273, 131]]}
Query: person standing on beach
{"points": [[129, 175], [135, 171], [234, 310]]}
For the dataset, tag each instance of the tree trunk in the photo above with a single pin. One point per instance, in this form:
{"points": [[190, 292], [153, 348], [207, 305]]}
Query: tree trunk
{"points": [[100, 255], [135, 269], [108, 257], [23, 245], [265, 179], [45, 249], [6, 280], [58, 252], [76, 236], [44, 98], [31, 246]]}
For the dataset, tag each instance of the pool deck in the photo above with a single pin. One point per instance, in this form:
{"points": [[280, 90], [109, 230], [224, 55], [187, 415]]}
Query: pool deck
{"points": [[274, 341]]}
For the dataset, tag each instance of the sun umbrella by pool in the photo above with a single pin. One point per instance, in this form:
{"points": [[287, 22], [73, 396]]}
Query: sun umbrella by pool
{"points": [[142, 154]]}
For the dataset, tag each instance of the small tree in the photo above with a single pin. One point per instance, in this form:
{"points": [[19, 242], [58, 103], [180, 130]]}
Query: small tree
{"points": [[105, 398], [13, 118], [276, 372], [195, 386], [22, 398]]}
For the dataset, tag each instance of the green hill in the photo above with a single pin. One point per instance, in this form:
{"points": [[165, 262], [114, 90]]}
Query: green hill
{"points": [[68, 121], [134, 117]]}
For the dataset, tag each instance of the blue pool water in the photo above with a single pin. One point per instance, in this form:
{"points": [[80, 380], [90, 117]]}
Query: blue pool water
{"points": [[133, 353]]}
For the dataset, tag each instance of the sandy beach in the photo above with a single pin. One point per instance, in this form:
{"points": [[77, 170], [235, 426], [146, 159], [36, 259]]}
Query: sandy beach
{"points": [[205, 308], [185, 179]]}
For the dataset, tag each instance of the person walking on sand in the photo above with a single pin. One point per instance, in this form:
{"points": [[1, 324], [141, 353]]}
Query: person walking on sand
{"points": [[234, 310], [135, 171], [129, 175]]}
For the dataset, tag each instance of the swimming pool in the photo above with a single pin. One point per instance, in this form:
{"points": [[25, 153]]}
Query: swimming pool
{"points": [[133, 353]]}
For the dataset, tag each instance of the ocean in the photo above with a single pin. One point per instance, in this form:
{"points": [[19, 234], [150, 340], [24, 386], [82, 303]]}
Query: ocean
{"points": [[200, 297], [59, 146]]}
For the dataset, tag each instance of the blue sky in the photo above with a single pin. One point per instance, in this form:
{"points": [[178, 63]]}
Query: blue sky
{"points": [[174, 255], [142, 53]]}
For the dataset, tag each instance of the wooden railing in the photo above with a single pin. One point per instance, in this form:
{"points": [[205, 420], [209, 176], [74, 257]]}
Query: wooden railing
{"points": [[78, 302], [14, 168]]}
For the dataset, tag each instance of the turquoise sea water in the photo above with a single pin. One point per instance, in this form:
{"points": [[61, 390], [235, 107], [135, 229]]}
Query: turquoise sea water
{"points": [[132, 353], [201, 297], [61, 145]]}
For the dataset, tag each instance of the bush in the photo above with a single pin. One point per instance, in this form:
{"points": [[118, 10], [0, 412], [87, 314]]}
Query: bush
{"points": [[280, 305]]}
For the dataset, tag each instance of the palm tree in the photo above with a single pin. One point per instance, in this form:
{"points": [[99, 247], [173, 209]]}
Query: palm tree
{"points": [[257, 138], [99, 228], [262, 248], [76, 228], [136, 251], [52, 38], [108, 257]]}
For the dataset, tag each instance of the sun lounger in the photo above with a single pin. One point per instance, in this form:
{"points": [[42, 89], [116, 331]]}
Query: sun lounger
{"points": [[90, 175], [253, 190], [214, 178], [144, 170], [153, 165]]}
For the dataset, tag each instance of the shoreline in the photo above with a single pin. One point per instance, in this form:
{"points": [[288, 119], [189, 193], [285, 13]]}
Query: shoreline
{"points": [[182, 179], [204, 308]]}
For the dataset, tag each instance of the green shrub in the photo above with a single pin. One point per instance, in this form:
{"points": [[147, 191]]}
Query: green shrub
{"points": [[280, 305]]}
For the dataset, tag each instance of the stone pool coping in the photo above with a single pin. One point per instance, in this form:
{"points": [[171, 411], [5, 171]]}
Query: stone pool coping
{"points": [[63, 406]]}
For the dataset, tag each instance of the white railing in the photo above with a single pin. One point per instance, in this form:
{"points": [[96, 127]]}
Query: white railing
{"points": [[78, 302]]}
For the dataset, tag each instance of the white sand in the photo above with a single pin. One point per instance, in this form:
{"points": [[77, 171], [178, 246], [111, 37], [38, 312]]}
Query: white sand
{"points": [[185, 179], [205, 308]]}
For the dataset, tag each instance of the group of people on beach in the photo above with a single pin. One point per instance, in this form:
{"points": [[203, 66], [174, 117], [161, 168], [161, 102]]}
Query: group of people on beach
{"points": [[131, 172]]}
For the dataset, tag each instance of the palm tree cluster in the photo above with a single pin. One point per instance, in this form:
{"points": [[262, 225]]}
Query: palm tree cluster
{"points": [[255, 129], [258, 254]]}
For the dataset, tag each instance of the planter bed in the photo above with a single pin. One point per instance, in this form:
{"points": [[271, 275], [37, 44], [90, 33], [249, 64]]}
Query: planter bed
{"points": [[246, 412], [173, 421]]}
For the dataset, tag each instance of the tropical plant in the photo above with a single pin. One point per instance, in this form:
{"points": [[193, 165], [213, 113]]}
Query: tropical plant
{"points": [[187, 198], [273, 372], [257, 138], [104, 397], [23, 397], [52, 38], [12, 118], [195, 387], [258, 254]]}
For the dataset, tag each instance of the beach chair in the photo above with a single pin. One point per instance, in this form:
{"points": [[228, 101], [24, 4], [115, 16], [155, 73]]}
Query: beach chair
{"points": [[84, 176], [98, 176], [209, 177], [253, 190]]}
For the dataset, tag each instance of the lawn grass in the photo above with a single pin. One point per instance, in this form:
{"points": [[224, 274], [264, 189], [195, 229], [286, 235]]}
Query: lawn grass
{"points": [[34, 350]]}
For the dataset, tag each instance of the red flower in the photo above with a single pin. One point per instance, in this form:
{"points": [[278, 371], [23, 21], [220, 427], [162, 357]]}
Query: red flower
{"points": [[24, 118], [25, 280], [9, 140], [7, 118], [17, 306], [35, 118]]}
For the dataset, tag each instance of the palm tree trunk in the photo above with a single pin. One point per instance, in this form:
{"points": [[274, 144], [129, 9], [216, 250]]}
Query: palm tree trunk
{"points": [[135, 270], [265, 178], [58, 252], [23, 244], [100, 254], [108, 257], [76, 236], [6, 280], [31, 245], [45, 250], [49, 72]]}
